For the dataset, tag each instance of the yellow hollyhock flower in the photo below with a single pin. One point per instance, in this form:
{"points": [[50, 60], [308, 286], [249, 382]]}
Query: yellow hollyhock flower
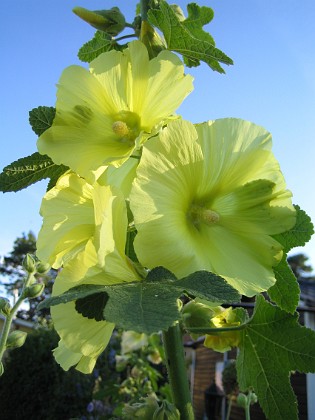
{"points": [[105, 113], [223, 341], [75, 211], [210, 197], [84, 339]]}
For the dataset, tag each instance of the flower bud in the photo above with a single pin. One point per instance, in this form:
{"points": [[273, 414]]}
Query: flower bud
{"points": [[151, 39], [16, 339], [34, 290], [29, 263], [42, 268], [166, 411], [241, 400], [5, 307], [196, 314], [111, 21], [144, 410]]}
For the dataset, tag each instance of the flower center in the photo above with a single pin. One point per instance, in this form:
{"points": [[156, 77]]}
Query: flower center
{"points": [[199, 214], [126, 126]]}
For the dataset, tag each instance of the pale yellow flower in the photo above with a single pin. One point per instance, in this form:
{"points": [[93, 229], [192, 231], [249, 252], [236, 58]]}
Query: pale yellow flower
{"points": [[84, 339], [210, 197], [104, 114], [75, 211]]}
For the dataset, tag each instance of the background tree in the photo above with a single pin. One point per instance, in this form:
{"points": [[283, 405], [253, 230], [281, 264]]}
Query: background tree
{"points": [[12, 273]]}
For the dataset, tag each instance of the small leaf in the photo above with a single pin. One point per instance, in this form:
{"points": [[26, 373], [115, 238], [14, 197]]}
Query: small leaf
{"points": [[92, 306], [146, 306], [28, 170], [274, 344], [286, 292], [299, 234], [102, 42], [187, 37], [41, 118]]}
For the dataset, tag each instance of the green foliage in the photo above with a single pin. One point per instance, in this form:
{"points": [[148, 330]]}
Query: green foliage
{"points": [[34, 387], [187, 37], [274, 344], [148, 306], [285, 293], [29, 170], [299, 234], [41, 118], [101, 42]]}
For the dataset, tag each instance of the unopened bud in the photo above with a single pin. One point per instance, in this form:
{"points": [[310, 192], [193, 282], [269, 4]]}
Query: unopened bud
{"points": [[16, 339], [34, 290], [151, 39], [29, 263], [241, 400], [5, 307], [42, 268], [166, 411], [111, 21]]}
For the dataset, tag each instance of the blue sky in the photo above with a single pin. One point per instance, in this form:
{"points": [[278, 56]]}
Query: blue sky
{"points": [[272, 84]]}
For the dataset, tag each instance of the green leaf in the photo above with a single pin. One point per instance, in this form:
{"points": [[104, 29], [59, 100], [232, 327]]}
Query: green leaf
{"points": [[147, 306], [92, 306], [102, 42], [28, 170], [286, 292], [41, 118], [274, 344], [187, 37], [299, 234]]}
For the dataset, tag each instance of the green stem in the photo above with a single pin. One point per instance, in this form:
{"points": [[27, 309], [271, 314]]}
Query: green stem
{"points": [[247, 409], [229, 409], [177, 372], [126, 37], [144, 7], [9, 318]]}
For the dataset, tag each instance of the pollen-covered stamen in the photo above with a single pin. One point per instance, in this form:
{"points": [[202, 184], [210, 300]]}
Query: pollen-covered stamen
{"points": [[126, 125], [199, 214], [121, 129]]}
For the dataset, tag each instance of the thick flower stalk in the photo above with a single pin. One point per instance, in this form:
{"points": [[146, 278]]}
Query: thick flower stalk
{"points": [[104, 114], [210, 197]]}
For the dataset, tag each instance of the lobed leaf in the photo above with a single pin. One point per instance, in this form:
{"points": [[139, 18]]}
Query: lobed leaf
{"points": [[285, 293], [187, 37], [28, 170], [41, 118], [274, 344], [299, 234], [100, 43], [147, 306]]}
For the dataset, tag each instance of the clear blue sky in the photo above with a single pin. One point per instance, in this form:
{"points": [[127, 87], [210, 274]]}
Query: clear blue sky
{"points": [[272, 84]]}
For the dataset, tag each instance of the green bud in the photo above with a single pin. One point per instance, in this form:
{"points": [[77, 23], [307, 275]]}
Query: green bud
{"points": [[5, 307], [196, 314], [34, 290], [252, 398], [241, 400], [42, 268], [16, 339], [1, 369], [143, 410], [166, 411], [111, 21], [151, 39], [29, 263]]}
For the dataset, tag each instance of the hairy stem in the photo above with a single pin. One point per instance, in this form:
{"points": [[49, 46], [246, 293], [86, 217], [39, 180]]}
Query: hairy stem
{"points": [[177, 372]]}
